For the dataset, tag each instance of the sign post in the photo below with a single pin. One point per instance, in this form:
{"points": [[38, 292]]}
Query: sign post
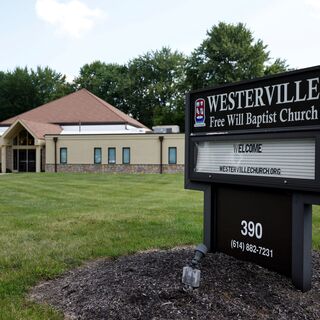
{"points": [[253, 148]]}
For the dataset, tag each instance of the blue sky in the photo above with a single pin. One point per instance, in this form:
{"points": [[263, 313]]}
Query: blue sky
{"points": [[66, 34]]}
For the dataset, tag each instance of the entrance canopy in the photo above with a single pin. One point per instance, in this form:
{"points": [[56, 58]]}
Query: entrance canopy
{"points": [[21, 145]]}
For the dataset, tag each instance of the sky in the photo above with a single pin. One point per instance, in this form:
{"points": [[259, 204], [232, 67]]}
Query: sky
{"points": [[66, 34]]}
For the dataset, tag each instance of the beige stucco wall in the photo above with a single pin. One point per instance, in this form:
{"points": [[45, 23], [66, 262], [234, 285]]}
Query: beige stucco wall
{"points": [[144, 148]]}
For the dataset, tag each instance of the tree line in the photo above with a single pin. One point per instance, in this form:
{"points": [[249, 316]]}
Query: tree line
{"points": [[151, 88]]}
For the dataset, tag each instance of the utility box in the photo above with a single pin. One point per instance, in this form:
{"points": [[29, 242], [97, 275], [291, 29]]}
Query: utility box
{"points": [[253, 147], [166, 129]]}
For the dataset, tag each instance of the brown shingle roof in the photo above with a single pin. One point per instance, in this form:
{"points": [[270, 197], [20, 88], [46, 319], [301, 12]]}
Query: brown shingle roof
{"points": [[37, 129], [80, 106], [41, 129]]}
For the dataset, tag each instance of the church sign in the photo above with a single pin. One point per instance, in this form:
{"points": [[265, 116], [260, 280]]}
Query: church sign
{"points": [[262, 132], [289, 102], [253, 147]]}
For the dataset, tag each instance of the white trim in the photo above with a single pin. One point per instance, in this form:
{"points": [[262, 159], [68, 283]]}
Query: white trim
{"points": [[101, 129]]}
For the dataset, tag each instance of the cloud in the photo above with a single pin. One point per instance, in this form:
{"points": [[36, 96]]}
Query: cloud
{"points": [[72, 17]]}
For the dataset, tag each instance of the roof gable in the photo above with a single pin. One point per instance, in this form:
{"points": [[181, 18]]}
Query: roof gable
{"points": [[36, 129], [79, 107]]}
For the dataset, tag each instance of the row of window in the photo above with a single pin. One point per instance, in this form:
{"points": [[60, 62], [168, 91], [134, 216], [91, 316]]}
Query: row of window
{"points": [[23, 138], [97, 155]]}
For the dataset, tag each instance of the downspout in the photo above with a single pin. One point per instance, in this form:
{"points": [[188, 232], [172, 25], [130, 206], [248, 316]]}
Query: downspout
{"points": [[55, 139], [161, 144]]}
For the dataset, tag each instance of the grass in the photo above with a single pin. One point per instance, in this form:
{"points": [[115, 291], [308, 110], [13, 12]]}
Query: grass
{"points": [[53, 222], [316, 227]]}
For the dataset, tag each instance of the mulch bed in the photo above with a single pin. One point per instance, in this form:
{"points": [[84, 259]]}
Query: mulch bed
{"points": [[148, 286]]}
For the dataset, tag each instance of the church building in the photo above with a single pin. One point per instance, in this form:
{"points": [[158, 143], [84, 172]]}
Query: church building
{"points": [[82, 133]]}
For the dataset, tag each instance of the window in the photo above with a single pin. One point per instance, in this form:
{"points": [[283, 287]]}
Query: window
{"points": [[23, 138], [111, 155], [30, 140], [172, 155], [126, 155], [97, 156], [63, 155]]}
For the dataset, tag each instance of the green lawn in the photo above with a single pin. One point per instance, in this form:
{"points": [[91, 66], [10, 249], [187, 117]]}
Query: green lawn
{"points": [[316, 227], [54, 222]]}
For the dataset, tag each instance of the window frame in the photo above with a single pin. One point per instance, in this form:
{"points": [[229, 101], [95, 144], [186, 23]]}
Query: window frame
{"points": [[66, 155], [176, 155], [123, 151], [115, 155], [94, 155]]}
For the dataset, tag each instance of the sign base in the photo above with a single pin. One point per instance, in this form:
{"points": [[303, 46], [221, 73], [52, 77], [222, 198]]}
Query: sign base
{"points": [[289, 213]]}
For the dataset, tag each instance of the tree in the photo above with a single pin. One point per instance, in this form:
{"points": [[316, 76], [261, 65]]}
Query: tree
{"points": [[17, 93], [152, 86], [49, 85], [108, 81], [22, 90], [157, 87], [277, 66], [229, 54]]}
